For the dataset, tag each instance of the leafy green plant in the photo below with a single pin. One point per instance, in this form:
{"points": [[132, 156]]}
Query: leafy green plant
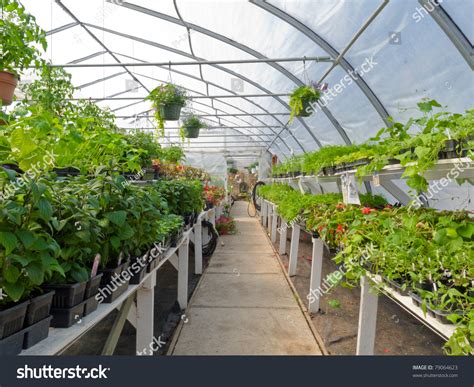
{"points": [[166, 94], [192, 123], [21, 37], [28, 252], [302, 97]]}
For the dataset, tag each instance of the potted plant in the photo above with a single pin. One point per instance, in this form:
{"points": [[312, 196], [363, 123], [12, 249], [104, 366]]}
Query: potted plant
{"points": [[20, 35], [167, 100], [303, 97], [191, 126]]}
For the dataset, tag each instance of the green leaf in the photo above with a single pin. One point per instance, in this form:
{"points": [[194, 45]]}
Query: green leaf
{"points": [[35, 273], [11, 273], [8, 241], [14, 290], [26, 237], [117, 217], [45, 209]]}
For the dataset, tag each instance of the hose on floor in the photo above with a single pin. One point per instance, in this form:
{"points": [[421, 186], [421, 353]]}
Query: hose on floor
{"points": [[208, 248], [256, 206]]}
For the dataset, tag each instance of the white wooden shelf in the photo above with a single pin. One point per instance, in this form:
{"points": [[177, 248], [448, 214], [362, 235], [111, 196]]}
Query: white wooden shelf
{"points": [[59, 339]]}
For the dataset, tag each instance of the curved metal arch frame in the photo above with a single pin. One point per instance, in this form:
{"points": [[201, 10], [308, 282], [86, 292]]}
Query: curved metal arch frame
{"points": [[216, 109], [229, 71], [144, 41], [220, 87], [247, 50], [330, 50]]}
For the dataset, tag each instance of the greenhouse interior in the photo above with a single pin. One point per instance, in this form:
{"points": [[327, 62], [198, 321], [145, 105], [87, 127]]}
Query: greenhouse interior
{"points": [[190, 178]]}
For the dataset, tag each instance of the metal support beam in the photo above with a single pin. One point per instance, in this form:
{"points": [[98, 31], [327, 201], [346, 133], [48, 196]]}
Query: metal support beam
{"points": [[450, 28], [213, 127], [321, 42], [191, 97], [221, 115], [62, 28], [188, 63]]}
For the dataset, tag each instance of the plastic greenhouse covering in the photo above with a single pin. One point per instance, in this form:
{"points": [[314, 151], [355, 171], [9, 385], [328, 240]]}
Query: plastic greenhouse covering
{"points": [[403, 55]]}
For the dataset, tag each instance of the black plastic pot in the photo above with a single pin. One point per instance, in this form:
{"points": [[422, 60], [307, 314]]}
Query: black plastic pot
{"points": [[67, 171], [152, 265], [92, 286], [137, 276], [38, 308], [13, 167], [113, 284], [191, 131], [398, 287], [67, 295], [12, 319], [37, 332], [393, 161], [13, 344], [170, 112], [307, 109], [452, 149], [90, 305], [415, 298], [66, 317]]}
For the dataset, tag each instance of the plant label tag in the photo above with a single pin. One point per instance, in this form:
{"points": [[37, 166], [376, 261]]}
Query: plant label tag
{"points": [[350, 192], [376, 179], [95, 265]]}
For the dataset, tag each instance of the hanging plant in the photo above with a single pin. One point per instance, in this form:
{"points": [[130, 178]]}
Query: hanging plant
{"points": [[303, 97], [191, 126], [20, 37], [167, 100]]}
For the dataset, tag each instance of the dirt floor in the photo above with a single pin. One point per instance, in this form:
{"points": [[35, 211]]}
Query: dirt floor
{"points": [[398, 333]]}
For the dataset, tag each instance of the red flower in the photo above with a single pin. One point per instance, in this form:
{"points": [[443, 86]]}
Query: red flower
{"points": [[366, 210], [340, 206], [340, 228]]}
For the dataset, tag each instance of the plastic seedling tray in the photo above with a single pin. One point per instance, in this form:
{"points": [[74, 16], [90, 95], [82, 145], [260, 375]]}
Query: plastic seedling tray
{"points": [[37, 332], [13, 344], [38, 308], [12, 319], [90, 305], [67, 295], [66, 317], [92, 286]]}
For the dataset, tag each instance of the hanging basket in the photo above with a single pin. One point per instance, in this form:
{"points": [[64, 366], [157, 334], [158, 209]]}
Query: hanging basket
{"points": [[191, 131], [170, 112], [307, 109], [8, 82]]}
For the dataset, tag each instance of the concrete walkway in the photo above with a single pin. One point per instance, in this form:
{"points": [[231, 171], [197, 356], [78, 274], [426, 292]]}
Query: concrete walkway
{"points": [[243, 304]]}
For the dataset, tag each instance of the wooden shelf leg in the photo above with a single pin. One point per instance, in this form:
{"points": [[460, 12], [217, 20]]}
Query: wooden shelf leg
{"points": [[145, 315], [367, 319], [283, 236], [316, 275], [274, 225], [198, 247], [295, 242], [113, 337], [183, 255]]}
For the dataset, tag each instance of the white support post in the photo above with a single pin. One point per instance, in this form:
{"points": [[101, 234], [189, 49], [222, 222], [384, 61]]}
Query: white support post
{"points": [[274, 225], [145, 315], [198, 247], [295, 241], [269, 216], [183, 255], [316, 275], [367, 319], [283, 236], [264, 213]]}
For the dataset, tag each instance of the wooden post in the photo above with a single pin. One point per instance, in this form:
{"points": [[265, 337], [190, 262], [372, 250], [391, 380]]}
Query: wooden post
{"points": [[295, 241], [367, 319], [274, 225], [269, 216], [283, 235], [316, 275], [264, 212], [198, 247], [114, 334], [183, 274], [145, 315]]}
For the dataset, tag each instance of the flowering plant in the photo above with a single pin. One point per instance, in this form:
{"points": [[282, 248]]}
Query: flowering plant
{"points": [[213, 195], [225, 225]]}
